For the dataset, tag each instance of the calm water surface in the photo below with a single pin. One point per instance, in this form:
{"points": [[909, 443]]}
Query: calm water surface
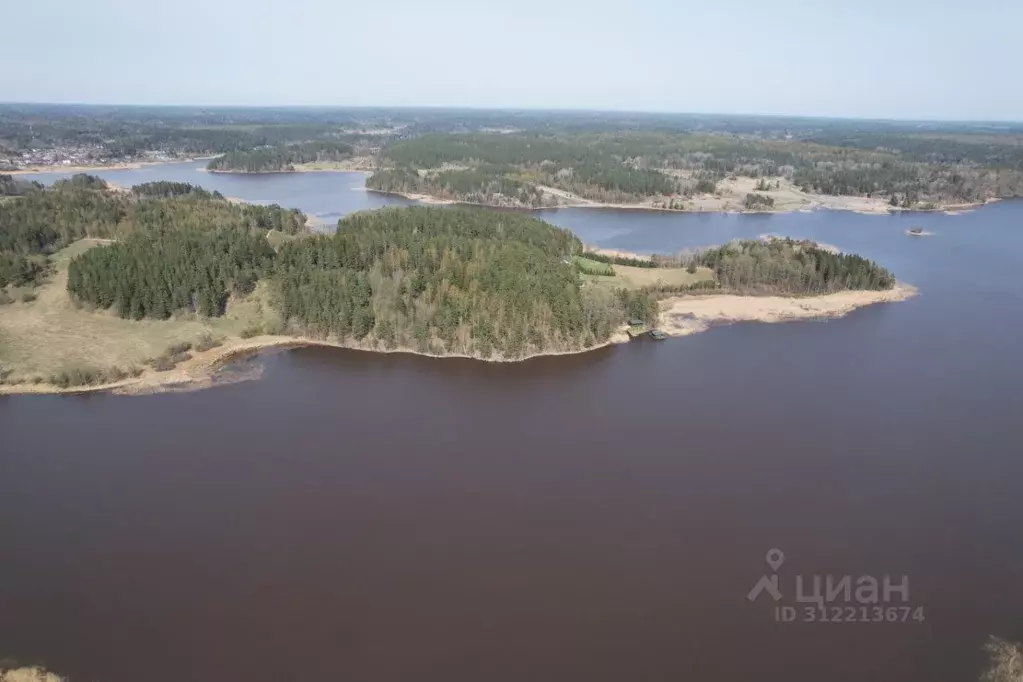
{"points": [[596, 517]]}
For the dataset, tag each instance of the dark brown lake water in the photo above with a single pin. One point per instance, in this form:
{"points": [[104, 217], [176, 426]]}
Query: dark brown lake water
{"points": [[596, 517]]}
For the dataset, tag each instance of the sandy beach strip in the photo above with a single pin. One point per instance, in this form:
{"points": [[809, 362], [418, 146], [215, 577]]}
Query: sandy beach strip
{"points": [[684, 315]]}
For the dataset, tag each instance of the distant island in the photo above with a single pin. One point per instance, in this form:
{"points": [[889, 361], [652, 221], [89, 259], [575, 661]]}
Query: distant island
{"points": [[157, 285], [283, 158]]}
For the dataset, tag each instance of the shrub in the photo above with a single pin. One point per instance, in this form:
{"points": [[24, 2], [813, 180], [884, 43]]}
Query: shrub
{"points": [[162, 364], [178, 348], [249, 332], [705, 186], [756, 201], [28, 297], [207, 342], [83, 375], [5, 298], [274, 327]]}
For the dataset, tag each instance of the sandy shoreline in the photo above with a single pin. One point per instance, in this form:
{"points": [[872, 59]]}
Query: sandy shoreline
{"points": [[684, 315], [679, 316], [198, 372]]}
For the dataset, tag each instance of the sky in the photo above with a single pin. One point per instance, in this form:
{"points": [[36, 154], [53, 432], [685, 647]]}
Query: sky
{"points": [[910, 59]]}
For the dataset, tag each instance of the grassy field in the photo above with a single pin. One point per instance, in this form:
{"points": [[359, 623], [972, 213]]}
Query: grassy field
{"points": [[630, 277], [50, 334], [593, 267]]}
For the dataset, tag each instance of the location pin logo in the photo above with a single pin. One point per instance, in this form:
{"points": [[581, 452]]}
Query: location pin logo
{"points": [[775, 558]]}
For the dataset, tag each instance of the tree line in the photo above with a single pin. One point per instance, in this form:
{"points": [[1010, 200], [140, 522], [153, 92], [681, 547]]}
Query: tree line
{"points": [[790, 267], [616, 259], [154, 273]]}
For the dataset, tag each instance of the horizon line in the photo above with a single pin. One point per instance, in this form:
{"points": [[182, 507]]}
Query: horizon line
{"points": [[445, 107]]}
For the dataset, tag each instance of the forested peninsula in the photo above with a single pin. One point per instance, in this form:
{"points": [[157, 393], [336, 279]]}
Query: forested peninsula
{"points": [[280, 158], [150, 286]]}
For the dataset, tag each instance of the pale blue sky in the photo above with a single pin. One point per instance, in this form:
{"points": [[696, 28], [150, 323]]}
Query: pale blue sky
{"points": [[859, 58]]}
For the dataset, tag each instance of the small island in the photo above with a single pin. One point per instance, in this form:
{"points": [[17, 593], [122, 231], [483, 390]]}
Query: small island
{"points": [[156, 286]]}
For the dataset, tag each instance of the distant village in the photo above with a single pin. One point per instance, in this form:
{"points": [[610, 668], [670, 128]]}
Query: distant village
{"points": [[73, 155]]}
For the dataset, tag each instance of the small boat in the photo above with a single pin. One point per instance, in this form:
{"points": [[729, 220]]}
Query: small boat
{"points": [[916, 231], [658, 335]]}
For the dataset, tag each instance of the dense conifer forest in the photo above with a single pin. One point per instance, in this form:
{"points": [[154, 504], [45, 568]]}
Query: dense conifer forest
{"points": [[446, 281], [280, 158], [154, 273], [790, 267], [46, 220], [514, 166], [166, 188]]}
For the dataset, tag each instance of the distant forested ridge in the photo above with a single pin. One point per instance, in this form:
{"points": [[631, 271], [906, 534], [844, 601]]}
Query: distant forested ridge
{"points": [[514, 166], [281, 157], [630, 166], [510, 158]]}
